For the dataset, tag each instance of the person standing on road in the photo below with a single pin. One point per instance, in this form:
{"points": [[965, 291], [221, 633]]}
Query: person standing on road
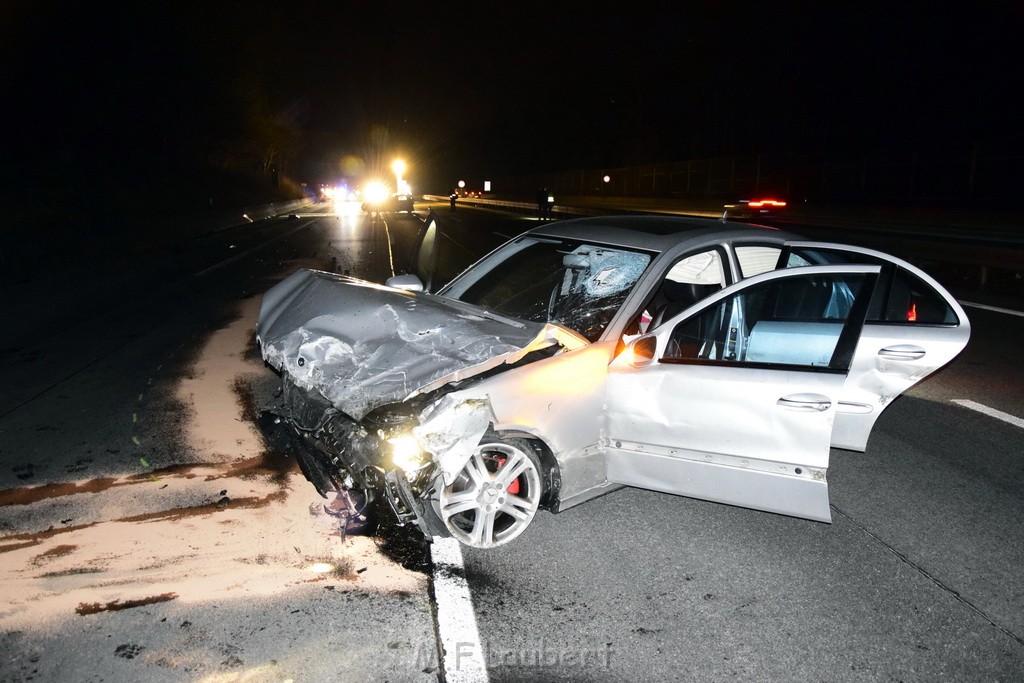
{"points": [[452, 197], [542, 203]]}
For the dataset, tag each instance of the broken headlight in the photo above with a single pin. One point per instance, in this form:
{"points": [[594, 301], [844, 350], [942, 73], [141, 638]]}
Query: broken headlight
{"points": [[399, 447], [407, 454]]}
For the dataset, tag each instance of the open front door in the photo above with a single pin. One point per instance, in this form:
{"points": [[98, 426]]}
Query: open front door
{"points": [[913, 328], [734, 400], [424, 256], [421, 273]]}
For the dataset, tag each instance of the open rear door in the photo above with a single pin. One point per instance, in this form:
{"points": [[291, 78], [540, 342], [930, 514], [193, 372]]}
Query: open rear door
{"points": [[913, 328]]}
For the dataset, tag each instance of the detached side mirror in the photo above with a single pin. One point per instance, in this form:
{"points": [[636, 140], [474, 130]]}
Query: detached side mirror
{"points": [[641, 351], [408, 282]]}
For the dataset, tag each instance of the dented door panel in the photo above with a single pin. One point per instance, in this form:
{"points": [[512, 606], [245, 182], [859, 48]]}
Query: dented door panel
{"points": [[914, 328]]}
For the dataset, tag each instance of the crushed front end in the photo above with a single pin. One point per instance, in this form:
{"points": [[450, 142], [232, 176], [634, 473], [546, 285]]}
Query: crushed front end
{"points": [[338, 453], [367, 377]]}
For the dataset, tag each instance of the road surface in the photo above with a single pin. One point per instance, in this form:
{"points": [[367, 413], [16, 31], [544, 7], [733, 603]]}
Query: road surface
{"points": [[146, 533]]}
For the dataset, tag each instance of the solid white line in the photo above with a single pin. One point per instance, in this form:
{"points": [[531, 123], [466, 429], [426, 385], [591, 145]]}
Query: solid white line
{"points": [[991, 412], [391, 254], [461, 652], [1007, 311]]}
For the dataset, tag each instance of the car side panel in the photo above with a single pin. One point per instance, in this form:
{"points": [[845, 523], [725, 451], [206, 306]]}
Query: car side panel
{"points": [[560, 401], [880, 373]]}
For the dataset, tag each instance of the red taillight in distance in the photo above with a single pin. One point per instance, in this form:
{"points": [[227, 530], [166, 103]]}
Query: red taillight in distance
{"points": [[773, 203]]}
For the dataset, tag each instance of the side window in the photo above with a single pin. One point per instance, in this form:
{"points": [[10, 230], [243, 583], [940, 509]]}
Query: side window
{"points": [[911, 300], [690, 279], [901, 297], [755, 260], [795, 321]]}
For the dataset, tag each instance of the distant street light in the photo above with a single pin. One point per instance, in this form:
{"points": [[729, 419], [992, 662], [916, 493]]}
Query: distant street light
{"points": [[398, 166], [607, 179]]}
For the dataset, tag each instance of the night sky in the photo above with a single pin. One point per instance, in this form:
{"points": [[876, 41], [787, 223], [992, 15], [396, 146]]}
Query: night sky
{"points": [[110, 95]]}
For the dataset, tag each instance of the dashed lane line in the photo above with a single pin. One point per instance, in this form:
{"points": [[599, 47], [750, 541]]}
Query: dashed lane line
{"points": [[991, 412], [984, 307]]}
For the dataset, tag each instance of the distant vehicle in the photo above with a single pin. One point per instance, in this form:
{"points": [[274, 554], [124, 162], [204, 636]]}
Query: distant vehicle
{"points": [[402, 202], [754, 208], [395, 203]]}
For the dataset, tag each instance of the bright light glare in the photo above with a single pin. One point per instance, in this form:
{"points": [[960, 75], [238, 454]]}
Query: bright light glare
{"points": [[579, 373], [406, 453], [375, 193], [321, 568], [398, 166]]}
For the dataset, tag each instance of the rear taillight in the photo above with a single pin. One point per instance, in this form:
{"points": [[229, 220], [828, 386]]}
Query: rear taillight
{"points": [[758, 203]]}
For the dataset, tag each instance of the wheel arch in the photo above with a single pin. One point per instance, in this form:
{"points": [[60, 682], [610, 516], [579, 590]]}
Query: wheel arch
{"points": [[552, 477]]}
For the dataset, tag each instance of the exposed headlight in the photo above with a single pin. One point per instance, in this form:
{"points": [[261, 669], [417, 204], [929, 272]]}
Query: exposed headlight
{"points": [[375, 193], [407, 454]]}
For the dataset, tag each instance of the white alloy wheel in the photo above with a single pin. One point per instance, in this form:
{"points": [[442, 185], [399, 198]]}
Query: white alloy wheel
{"points": [[496, 495]]}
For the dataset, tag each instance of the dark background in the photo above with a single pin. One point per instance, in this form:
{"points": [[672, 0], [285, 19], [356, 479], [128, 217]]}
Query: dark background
{"points": [[111, 104]]}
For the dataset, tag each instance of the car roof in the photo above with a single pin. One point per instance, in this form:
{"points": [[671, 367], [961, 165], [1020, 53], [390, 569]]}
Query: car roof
{"points": [[657, 233]]}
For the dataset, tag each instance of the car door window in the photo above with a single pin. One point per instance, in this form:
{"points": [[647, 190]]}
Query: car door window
{"points": [[756, 259], [910, 300], [692, 278], [794, 321], [902, 297]]}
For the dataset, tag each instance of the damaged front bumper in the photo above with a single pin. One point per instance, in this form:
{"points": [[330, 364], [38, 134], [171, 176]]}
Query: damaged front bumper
{"points": [[338, 453]]}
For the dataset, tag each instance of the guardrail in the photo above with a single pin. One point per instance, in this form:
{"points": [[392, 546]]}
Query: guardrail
{"points": [[520, 207], [994, 263]]}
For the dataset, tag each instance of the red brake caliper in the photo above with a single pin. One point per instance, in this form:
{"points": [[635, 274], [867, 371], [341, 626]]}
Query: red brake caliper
{"points": [[513, 488]]}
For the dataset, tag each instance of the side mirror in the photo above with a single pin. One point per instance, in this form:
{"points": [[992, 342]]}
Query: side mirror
{"points": [[641, 351], [408, 282]]}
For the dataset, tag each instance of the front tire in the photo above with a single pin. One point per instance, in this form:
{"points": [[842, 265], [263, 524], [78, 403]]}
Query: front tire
{"points": [[495, 496]]}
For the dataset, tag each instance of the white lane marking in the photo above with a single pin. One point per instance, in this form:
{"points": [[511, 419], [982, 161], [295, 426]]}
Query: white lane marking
{"points": [[1007, 311], [391, 253], [991, 412], [461, 651]]}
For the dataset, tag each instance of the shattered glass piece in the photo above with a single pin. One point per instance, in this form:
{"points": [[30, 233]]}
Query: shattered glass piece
{"points": [[610, 272]]}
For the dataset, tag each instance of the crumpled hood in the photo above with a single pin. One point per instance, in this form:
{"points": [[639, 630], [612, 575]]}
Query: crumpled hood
{"points": [[363, 345]]}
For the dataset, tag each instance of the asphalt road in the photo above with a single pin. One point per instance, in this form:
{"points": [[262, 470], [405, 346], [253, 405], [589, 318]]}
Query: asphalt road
{"points": [[147, 534]]}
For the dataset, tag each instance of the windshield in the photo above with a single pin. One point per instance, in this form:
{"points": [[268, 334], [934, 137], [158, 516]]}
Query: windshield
{"points": [[574, 284]]}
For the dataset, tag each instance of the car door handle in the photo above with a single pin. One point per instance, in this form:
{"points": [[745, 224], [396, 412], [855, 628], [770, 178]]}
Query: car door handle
{"points": [[806, 402], [902, 352]]}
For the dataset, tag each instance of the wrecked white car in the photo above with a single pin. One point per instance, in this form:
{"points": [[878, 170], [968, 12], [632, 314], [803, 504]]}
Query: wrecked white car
{"points": [[688, 356]]}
